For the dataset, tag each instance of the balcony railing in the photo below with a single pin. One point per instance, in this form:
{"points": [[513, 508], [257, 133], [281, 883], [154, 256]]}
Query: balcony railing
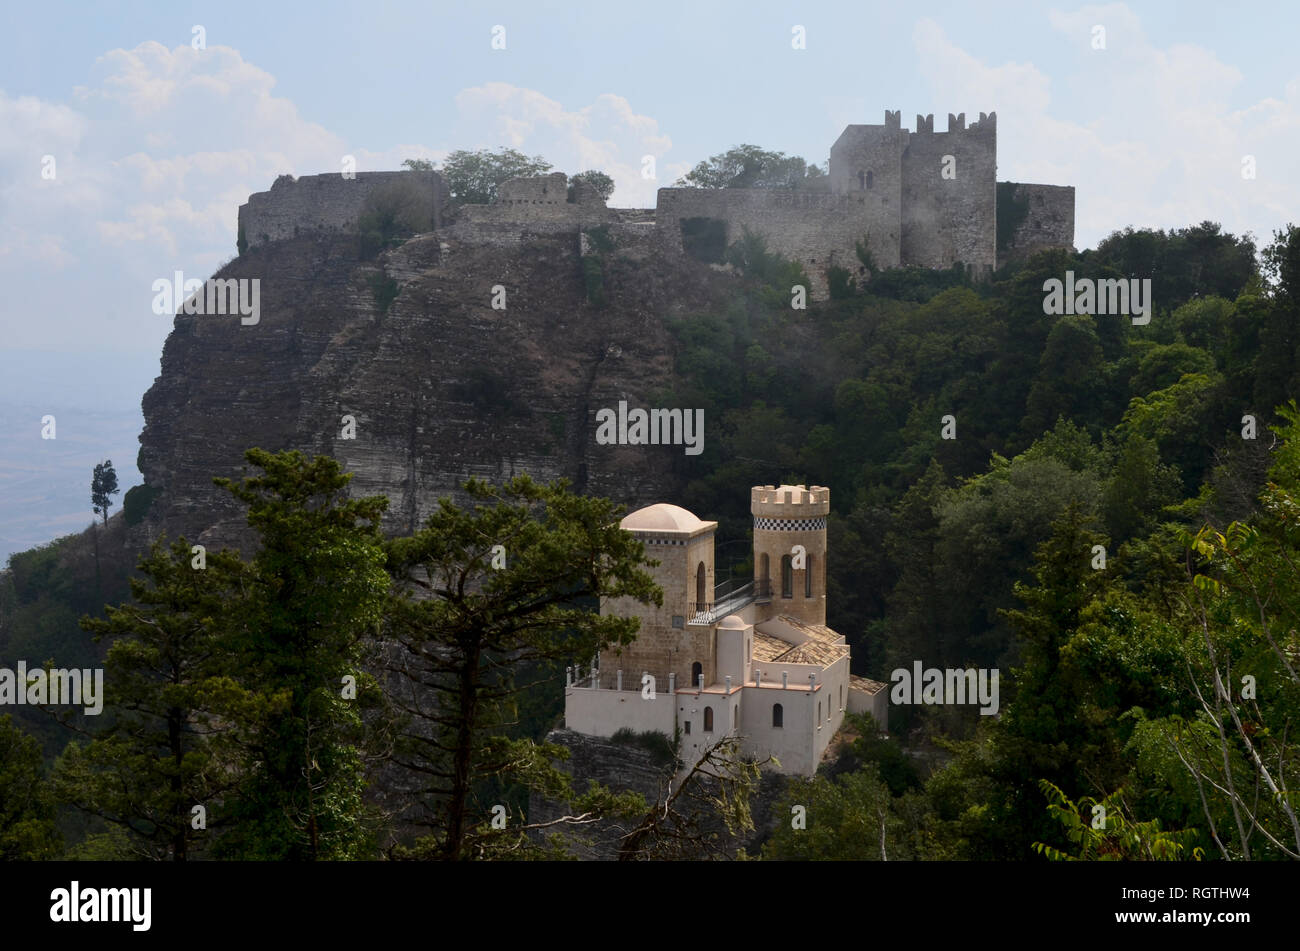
{"points": [[727, 602]]}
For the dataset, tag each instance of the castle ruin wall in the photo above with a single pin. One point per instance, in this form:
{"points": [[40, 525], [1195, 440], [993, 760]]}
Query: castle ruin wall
{"points": [[1048, 222], [817, 229], [329, 203]]}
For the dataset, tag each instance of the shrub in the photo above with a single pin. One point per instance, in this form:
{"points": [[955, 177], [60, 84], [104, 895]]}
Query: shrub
{"points": [[137, 501], [593, 276], [392, 213], [385, 290], [705, 239], [660, 746]]}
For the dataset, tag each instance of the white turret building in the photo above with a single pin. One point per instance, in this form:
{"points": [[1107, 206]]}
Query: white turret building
{"points": [[757, 660]]}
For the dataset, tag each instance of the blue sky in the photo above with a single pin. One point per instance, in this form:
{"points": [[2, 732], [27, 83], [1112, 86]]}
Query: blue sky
{"points": [[156, 143]]}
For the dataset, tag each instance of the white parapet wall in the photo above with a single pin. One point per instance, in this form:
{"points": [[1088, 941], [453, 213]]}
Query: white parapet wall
{"points": [[877, 704], [603, 712]]}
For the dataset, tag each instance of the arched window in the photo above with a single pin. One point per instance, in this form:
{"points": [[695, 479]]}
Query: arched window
{"points": [[735, 716], [807, 578], [869, 177], [708, 719], [819, 711], [767, 570], [841, 696], [778, 716], [700, 598], [787, 577], [697, 671]]}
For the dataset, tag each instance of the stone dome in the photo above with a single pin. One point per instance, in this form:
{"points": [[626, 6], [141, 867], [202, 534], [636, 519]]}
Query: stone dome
{"points": [[661, 517]]}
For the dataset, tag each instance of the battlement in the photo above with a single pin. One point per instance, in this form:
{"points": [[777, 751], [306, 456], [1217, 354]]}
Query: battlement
{"points": [[789, 501], [987, 122]]}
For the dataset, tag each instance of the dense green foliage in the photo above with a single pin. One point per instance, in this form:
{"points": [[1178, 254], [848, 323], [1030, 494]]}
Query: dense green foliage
{"points": [[27, 830], [1074, 435]]}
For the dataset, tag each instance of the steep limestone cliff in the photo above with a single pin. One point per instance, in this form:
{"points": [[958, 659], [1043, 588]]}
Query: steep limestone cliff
{"points": [[441, 385]]}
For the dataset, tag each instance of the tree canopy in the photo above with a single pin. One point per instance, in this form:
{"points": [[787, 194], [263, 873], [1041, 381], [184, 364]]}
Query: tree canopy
{"points": [[748, 166]]}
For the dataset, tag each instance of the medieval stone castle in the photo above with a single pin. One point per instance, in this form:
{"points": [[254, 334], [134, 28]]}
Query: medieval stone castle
{"points": [[923, 198]]}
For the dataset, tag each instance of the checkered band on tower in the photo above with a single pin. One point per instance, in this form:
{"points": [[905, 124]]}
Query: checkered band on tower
{"points": [[790, 524]]}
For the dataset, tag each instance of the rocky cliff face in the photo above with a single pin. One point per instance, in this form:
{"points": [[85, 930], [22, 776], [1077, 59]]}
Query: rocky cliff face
{"points": [[441, 385]]}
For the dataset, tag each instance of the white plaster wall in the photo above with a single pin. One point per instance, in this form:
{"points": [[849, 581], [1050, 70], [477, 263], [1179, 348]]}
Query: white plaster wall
{"points": [[605, 712]]}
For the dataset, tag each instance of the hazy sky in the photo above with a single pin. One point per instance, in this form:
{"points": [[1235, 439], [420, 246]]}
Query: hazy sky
{"points": [[156, 144]]}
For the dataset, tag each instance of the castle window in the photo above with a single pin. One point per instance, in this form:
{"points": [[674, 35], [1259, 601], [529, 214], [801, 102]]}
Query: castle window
{"points": [[697, 673], [841, 696], [807, 578], [819, 711], [700, 598], [778, 716], [708, 719], [787, 577], [687, 729]]}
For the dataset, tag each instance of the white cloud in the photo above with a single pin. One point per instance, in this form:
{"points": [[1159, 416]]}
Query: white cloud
{"points": [[607, 135], [1160, 144], [155, 154]]}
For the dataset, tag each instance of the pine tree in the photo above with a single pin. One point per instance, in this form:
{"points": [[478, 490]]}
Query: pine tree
{"points": [[27, 831], [316, 591], [1039, 735], [469, 614], [103, 485], [163, 746]]}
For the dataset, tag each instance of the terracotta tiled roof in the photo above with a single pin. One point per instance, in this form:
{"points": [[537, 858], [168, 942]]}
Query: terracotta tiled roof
{"points": [[819, 631], [767, 647], [872, 687], [817, 650]]}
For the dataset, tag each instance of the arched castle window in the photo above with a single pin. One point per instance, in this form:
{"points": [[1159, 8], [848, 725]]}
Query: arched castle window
{"points": [[869, 177], [697, 671], [787, 577], [708, 719], [699, 588], [807, 578], [778, 716]]}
